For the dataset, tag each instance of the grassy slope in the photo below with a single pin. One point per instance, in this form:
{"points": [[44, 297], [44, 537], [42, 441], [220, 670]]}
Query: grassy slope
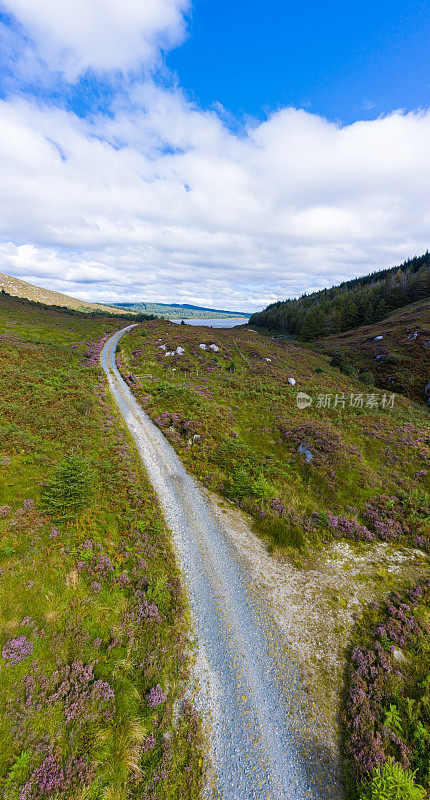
{"points": [[245, 429], [69, 603], [19, 288], [405, 349], [233, 417], [177, 313]]}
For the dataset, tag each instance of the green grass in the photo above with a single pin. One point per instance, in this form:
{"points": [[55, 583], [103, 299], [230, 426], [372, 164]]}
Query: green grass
{"points": [[233, 417], [97, 588]]}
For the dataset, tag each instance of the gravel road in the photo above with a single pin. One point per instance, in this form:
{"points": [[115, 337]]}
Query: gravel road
{"points": [[249, 682]]}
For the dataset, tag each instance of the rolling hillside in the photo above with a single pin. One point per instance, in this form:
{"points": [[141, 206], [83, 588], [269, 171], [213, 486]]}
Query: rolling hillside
{"points": [[396, 351], [93, 624], [18, 288], [177, 311], [335, 488]]}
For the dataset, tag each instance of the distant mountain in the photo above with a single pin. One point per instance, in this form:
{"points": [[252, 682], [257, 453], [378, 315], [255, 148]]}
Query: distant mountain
{"points": [[19, 288], [179, 310], [362, 301]]}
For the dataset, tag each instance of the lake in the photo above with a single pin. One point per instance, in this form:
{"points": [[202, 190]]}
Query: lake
{"points": [[226, 322]]}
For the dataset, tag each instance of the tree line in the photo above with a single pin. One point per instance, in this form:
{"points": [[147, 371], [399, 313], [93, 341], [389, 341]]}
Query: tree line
{"points": [[360, 301]]}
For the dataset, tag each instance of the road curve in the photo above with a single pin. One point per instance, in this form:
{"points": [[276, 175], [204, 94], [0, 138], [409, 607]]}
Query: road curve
{"points": [[261, 747]]}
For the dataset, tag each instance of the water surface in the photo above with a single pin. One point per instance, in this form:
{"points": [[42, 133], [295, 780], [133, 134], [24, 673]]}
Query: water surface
{"points": [[222, 322]]}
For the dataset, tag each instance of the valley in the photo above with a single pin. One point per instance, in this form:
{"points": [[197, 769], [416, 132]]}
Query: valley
{"points": [[280, 530]]}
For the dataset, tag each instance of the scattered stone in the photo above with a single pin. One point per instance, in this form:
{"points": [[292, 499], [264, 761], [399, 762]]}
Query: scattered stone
{"points": [[214, 347], [398, 655], [378, 338], [180, 350], [305, 451], [292, 381], [202, 346]]}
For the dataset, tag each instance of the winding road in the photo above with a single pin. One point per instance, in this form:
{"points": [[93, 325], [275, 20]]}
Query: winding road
{"points": [[249, 682]]}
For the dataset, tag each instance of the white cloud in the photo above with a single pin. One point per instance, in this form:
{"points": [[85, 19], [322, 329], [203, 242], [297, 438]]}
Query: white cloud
{"points": [[162, 202], [104, 35]]}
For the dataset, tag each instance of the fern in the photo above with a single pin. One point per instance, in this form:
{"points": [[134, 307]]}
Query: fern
{"points": [[17, 774], [393, 720], [391, 782]]}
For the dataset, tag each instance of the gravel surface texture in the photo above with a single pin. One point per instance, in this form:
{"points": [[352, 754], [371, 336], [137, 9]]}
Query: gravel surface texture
{"points": [[262, 746]]}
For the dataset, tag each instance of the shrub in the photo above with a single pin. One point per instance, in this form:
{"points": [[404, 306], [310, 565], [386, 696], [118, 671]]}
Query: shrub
{"points": [[240, 484], [386, 705], [339, 360], [262, 488], [367, 378], [67, 492], [391, 782]]}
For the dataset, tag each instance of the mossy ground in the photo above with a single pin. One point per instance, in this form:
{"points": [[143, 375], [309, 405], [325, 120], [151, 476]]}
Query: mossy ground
{"points": [[100, 592]]}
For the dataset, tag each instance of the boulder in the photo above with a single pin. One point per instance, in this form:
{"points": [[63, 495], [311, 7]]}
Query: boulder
{"points": [[305, 452]]}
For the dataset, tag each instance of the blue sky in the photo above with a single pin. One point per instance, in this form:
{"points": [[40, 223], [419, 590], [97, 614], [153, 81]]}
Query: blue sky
{"points": [[215, 153], [344, 60]]}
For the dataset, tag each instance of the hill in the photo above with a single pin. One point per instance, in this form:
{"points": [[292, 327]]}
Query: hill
{"points": [[361, 301], [18, 288], [396, 351], [339, 490], [82, 547], [92, 618], [176, 311]]}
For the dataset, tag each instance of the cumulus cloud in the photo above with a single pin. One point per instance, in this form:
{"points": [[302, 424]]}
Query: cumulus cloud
{"points": [[103, 35], [161, 201]]}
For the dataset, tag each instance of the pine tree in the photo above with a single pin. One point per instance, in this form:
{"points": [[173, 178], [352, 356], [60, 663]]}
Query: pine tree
{"points": [[67, 492]]}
